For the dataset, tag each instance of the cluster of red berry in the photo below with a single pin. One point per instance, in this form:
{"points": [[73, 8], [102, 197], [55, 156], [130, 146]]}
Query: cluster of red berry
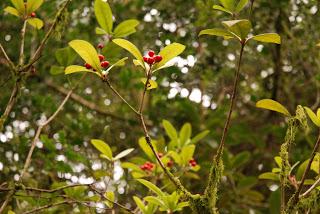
{"points": [[147, 166], [103, 62], [193, 162], [152, 58]]}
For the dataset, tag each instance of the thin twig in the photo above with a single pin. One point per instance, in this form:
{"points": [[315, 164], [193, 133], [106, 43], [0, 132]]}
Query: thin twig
{"points": [[10, 63], [23, 34], [306, 193], [306, 171]]}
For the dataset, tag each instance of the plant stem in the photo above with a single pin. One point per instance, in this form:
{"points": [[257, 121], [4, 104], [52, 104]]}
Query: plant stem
{"points": [[306, 193], [306, 171], [11, 65], [23, 33]]}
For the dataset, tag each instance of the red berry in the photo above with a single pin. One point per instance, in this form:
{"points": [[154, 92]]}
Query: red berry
{"points": [[191, 160], [160, 155], [87, 65], [170, 164], [193, 164], [158, 58], [101, 57], [100, 45], [104, 64], [150, 61], [145, 59], [33, 14], [151, 53]]}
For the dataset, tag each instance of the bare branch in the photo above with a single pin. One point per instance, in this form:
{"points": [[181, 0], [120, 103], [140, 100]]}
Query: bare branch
{"points": [[10, 63], [306, 193]]}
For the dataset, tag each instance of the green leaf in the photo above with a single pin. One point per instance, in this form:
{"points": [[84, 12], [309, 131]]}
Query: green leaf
{"points": [[139, 203], [240, 159], [19, 5], [151, 187], [314, 118], [125, 28], [169, 52], [151, 84], [87, 52], [181, 205], [278, 161], [217, 32], [156, 201], [185, 133], [123, 154], [228, 4], [75, 68], [269, 176], [241, 28], [12, 11], [129, 47], [11, 212], [273, 106], [103, 14], [120, 62], [268, 38], [33, 5], [170, 130], [100, 31], [102, 147], [55, 70], [65, 56], [146, 148], [187, 153], [131, 166], [218, 7], [110, 196], [35, 22], [241, 5], [199, 136]]}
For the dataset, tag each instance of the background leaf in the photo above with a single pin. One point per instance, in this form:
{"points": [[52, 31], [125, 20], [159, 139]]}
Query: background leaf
{"points": [[103, 14]]}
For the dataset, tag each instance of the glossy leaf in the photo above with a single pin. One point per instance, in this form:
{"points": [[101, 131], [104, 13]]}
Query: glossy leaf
{"points": [[100, 31], [12, 11], [269, 176], [241, 5], [102, 147], [110, 199], [139, 203], [169, 52], [268, 38], [170, 130], [199, 136], [218, 7], [273, 106], [103, 14], [187, 153], [185, 133], [35, 22], [87, 52], [125, 28], [75, 69], [55, 70], [146, 148], [123, 154], [217, 32], [151, 84], [33, 5], [120, 62], [157, 201], [129, 47], [228, 4], [19, 5], [151, 187], [241, 28], [314, 118]]}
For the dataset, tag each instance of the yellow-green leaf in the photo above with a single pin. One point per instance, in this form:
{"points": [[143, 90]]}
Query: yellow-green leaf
{"points": [[100, 31], [19, 5], [120, 62], [12, 11], [123, 154], [318, 113], [33, 5], [217, 32], [218, 7], [169, 52], [139, 204], [228, 4], [102, 147], [273, 106], [268, 38], [241, 5], [151, 84], [75, 69], [87, 52], [103, 14], [314, 118], [110, 199], [241, 27], [129, 47], [269, 176], [151, 187], [35, 22], [125, 28]]}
